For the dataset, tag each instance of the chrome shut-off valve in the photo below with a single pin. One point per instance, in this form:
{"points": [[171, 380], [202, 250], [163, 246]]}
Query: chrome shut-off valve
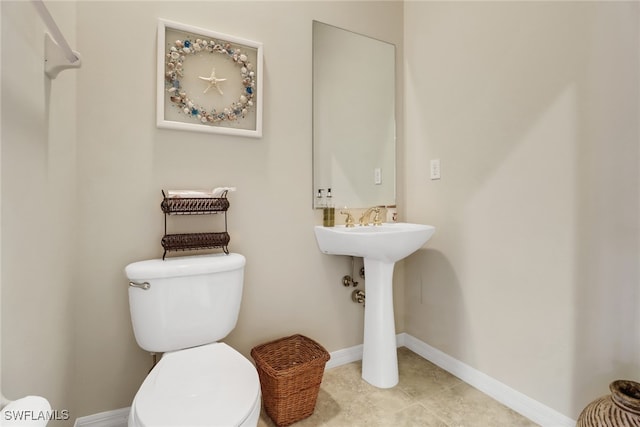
{"points": [[358, 296]]}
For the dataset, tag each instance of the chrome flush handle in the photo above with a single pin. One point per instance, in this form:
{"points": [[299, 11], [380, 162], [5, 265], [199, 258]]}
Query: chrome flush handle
{"points": [[144, 285]]}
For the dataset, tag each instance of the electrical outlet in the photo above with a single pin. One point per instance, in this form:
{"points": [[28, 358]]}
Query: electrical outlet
{"points": [[435, 169]]}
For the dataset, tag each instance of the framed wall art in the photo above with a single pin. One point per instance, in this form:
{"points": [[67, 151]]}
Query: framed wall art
{"points": [[208, 82]]}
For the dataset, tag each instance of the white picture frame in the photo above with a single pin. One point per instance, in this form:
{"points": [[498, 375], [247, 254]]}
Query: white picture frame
{"points": [[208, 81]]}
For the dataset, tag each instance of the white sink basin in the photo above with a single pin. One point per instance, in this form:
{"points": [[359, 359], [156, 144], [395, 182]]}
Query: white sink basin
{"points": [[380, 246], [388, 242]]}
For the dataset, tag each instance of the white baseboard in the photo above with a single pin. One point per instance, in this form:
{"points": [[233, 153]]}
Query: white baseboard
{"points": [[344, 356], [353, 354], [115, 418], [524, 405]]}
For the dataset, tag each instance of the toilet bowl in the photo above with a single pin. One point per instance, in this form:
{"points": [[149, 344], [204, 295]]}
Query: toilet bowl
{"points": [[181, 307], [210, 385], [30, 411]]}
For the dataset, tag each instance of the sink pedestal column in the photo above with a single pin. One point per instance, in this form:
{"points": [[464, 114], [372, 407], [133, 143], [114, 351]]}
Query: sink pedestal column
{"points": [[379, 356]]}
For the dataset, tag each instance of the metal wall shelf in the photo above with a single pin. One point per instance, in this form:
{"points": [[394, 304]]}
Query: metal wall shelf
{"points": [[195, 206]]}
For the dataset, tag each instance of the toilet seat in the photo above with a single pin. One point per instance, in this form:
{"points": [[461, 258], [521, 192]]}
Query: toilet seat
{"points": [[210, 385]]}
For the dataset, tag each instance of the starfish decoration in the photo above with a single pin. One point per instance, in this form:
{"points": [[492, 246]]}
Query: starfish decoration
{"points": [[213, 81]]}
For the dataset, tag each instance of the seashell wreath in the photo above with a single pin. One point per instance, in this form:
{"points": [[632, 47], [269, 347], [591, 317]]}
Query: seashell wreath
{"points": [[175, 70]]}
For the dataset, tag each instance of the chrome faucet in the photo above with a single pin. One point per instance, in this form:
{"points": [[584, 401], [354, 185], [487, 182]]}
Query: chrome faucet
{"points": [[365, 218]]}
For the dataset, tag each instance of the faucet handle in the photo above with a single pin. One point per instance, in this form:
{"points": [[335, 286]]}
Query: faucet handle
{"points": [[376, 216], [349, 220]]}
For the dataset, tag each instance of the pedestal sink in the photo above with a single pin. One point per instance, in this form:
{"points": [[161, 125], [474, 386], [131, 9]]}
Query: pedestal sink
{"points": [[380, 246]]}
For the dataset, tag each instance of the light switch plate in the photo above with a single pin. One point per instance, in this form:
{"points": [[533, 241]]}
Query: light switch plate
{"points": [[435, 169]]}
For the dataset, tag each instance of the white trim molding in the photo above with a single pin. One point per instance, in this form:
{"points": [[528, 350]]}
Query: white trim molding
{"points": [[521, 403], [115, 418], [354, 354], [524, 405], [344, 356]]}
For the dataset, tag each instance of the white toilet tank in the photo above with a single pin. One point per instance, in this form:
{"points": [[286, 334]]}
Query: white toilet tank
{"points": [[190, 301]]}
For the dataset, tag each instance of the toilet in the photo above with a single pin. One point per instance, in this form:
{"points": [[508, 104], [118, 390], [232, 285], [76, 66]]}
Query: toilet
{"points": [[181, 307], [29, 411]]}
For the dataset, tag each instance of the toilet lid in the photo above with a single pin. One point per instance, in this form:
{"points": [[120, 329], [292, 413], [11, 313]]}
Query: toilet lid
{"points": [[206, 385]]}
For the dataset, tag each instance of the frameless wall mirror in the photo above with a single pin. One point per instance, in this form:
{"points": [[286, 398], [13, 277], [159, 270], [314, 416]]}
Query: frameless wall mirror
{"points": [[354, 131]]}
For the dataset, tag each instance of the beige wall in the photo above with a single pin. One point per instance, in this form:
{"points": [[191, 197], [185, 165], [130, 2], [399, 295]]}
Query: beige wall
{"points": [[83, 207], [38, 210], [532, 276]]}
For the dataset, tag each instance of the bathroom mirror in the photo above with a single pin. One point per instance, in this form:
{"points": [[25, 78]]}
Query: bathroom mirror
{"points": [[354, 129]]}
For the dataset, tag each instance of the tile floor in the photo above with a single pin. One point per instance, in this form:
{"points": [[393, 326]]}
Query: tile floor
{"points": [[426, 396]]}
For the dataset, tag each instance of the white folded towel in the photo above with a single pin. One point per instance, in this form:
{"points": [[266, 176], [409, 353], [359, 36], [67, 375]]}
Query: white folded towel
{"points": [[199, 194], [217, 192]]}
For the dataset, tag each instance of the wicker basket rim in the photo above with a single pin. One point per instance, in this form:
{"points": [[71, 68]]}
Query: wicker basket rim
{"points": [[317, 354]]}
